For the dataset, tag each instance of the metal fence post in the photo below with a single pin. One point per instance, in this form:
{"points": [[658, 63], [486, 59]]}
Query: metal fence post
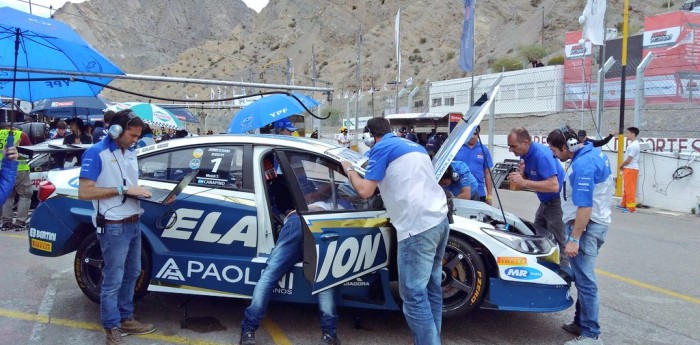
{"points": [[639, 95]]}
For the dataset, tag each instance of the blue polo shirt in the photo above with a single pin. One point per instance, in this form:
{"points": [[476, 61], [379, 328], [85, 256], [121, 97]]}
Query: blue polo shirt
{"points": [[414, 200], [589, 184], [540, 165], [477, 160], [109, 167], [466, 179]]}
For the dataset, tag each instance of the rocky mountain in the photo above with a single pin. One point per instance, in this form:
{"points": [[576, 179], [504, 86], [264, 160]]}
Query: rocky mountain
{"points": [[223, 39]]}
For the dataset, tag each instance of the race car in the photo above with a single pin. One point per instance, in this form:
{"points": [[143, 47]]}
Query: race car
{"points": [[215, 238]]}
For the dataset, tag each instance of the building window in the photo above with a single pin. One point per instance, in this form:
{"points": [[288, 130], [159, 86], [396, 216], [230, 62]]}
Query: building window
{"points": [[450, 101], [437, 102]]}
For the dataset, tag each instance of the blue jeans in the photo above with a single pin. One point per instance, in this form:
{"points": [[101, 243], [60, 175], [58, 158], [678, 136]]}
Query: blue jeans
{"points": [[583, 267], [420, 276], [287, 252], [121, 250]]}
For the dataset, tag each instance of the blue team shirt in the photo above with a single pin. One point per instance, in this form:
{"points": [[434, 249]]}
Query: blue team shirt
{"points": [[540, 165], [385, 152], [587, 166], [477, 160], [466, 179]]}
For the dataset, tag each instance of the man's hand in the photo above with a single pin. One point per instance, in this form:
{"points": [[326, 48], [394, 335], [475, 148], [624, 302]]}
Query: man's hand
{"points": [[517, 178], [138, 191], [345, 165], [11, 153], [489, 201], [571, 249], [521, 166]]}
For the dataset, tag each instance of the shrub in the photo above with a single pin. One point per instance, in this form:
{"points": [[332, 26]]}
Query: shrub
{"points": [[556, 60], [507, 63], [533, 52], [422, 40], [450, 55]]}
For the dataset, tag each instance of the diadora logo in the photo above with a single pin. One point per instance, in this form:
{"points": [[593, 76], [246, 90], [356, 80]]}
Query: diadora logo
{"points": [[170, 271], [352, 256], [186, 221], [523, 273]]}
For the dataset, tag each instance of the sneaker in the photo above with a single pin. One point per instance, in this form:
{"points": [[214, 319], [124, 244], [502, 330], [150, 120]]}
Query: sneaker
{"points": [[328, 339], [582, 340], [627, 210], [114, 337], [133, 326], [20, 226], [620, 207], [572, 328], [247, 338], [7, 226]]}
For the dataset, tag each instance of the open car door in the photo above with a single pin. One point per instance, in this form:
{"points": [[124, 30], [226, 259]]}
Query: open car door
{"points": [[345, 236]]}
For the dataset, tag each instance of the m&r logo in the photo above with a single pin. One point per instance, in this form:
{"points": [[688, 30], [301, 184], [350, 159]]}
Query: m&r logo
{"points": [[523, 273]]}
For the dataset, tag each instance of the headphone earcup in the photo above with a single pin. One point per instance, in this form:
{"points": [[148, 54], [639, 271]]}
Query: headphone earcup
{"points": [[368, 139], [572, 144], [115, 131], [455, 176]]}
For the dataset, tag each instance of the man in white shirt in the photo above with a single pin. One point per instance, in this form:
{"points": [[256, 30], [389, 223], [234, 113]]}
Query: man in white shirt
{"points": [[419, 215], [630, 171], [343, 138]]}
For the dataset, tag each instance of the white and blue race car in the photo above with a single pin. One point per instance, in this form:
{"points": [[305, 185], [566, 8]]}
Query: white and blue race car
{"points": [[215, 238]]}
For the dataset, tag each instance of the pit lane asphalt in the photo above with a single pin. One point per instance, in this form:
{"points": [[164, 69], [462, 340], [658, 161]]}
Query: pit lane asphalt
{"points": [[647, 275]]}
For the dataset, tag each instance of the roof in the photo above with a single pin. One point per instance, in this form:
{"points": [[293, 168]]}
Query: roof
{"points": [[414, 116]]}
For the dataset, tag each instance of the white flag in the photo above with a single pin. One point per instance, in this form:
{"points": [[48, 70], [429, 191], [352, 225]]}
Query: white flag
{"points": [[409, 81], [397, 39], [594, 21]]}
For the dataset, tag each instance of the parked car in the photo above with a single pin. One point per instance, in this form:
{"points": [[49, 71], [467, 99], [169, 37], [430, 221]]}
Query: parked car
{"points": [[47, 156], [215, 239]]}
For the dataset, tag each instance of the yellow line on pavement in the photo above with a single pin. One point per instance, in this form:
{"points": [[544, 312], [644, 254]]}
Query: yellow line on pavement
{"points": [[649, 287], [95, 327], [275, 332], [21, 237]]}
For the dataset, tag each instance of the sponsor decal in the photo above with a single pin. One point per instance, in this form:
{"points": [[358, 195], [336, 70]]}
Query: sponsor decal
{"points": [[357, 282], [186, 221], [511, 261], [42, 235], [74, 182], [660, 37], [163, 117], [194, 164], [197, 153], [197, 270], [41, 245], [62, 104], [578, 50], [352, 255], [523, 273]]}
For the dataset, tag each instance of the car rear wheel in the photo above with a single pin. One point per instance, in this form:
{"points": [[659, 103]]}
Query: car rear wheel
{"points": [[464, 278], [88, 264]]}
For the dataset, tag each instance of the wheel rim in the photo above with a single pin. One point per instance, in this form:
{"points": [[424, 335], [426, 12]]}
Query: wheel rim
{"points": [[458, 277], [91, 267]]}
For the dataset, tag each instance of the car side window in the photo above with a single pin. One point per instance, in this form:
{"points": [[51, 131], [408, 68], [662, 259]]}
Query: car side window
{"points": [[219, 166], [325, 186]]}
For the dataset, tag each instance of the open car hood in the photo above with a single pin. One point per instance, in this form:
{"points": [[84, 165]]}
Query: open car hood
{"points": [[462, 132]]}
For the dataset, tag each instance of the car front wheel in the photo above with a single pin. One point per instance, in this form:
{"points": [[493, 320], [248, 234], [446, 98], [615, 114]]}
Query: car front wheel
{"points": [[464, 278], [88, 265]]}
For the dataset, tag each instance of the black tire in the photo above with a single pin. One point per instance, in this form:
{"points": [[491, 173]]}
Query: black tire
{"points": [[87, 267], [464, 278]]}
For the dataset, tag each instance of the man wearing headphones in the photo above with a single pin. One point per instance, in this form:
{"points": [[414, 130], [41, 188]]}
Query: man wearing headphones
{"points": [[421, 223], [545, 176], [458, 179], [586, 212], [109, 173]]}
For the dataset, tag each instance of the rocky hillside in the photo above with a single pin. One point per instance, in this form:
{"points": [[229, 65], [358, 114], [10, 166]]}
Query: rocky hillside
{"points": [[223, 39]]}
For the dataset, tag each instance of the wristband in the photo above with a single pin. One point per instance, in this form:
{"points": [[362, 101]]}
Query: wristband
{"points": [[120, 191], [571, 239], [488, 197]]}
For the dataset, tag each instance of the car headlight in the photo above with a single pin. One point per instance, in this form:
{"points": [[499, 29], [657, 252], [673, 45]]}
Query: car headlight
{"points": [[522, 243]]}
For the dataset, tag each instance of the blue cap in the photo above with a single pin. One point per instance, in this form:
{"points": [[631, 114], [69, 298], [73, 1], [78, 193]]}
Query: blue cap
{"points": [[285, 124]]}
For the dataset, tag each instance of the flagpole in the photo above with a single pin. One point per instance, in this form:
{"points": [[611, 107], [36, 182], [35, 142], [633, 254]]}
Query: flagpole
{"points": [[359, 84], [398, 59], [621, 129]]}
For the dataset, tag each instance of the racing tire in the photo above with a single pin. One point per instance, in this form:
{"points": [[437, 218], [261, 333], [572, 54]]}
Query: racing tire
{"points": [[87, 267], [464, 278]]}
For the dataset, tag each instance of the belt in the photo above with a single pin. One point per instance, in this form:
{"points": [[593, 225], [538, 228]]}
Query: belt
{"points": [[132, 219]]}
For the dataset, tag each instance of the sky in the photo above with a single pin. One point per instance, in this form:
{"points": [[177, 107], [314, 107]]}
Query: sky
{"points": [[38, 10]]}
